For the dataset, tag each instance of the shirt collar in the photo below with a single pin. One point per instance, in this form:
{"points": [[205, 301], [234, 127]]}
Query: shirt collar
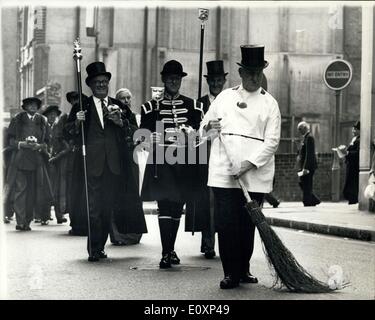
{"points": [[254, 93], [211, 97], [169, 97], [30, 116], [98, 100]]}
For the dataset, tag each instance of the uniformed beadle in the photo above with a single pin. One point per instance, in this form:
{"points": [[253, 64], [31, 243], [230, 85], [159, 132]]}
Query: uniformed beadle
{"points": [[170, 186]]}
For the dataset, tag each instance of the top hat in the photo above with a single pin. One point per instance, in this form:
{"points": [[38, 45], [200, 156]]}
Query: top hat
{"points": [[74, 95], [357, 125], [96, 69], [215, 68], [253, 57], [31, 100], [51, 109], [173, 67]]}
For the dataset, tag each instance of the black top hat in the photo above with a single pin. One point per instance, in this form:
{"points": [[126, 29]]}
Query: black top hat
{"points": [[253, 57], [215, 68], [50, 109], [357, 125], [96, 69], [74, 95], [173, 67], [31, 100]]}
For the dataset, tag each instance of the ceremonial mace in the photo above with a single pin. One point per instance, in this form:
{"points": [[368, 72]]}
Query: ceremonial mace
{"points": [[203, 17], [157, 94], [77, 56]]}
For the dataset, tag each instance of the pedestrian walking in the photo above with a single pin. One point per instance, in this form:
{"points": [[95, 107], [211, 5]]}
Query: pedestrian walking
{"points": [[248, 121], [352, 166], [27, 181], [200, 211], [307, 165], [107, 123], [169, 183]]}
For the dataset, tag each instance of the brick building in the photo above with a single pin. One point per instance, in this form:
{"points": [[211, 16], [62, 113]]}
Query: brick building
{"points": [[136, 41]]}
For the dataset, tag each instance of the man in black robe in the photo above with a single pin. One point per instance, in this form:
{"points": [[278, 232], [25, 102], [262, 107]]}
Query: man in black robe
{"points": [[27, 182]]}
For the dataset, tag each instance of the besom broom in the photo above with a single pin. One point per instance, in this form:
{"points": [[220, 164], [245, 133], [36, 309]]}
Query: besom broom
{"points": [[289, 272]]}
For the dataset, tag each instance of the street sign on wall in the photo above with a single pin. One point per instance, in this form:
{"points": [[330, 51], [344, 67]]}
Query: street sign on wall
{"points": [[338, 74]]}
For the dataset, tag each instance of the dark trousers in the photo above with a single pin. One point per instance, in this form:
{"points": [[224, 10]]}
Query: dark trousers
{"points": [[208, 235], [102, 191], [270, 198], [169, 220], [24, 197], [306, 184], [235, 230]]}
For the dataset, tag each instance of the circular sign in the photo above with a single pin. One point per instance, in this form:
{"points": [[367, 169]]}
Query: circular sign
{"points": [[338, 74]]}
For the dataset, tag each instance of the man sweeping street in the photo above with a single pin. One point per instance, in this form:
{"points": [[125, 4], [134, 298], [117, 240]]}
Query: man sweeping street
{"points": [[247, 119]]}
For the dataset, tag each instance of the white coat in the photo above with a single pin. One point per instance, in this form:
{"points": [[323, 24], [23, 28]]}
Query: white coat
{"points": [[251, 133]]}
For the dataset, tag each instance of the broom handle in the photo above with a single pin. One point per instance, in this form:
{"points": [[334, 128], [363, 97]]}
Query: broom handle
{"points": [[244, 190]]}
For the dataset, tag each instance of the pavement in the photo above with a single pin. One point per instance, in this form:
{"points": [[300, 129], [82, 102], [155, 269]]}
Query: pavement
{"points": [[331, 218]]}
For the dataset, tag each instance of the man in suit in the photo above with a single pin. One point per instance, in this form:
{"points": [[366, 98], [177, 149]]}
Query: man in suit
{"points": [[170, 184], [107, 123], [200, 210], [307, 165], [248, 121], [27, 181]]}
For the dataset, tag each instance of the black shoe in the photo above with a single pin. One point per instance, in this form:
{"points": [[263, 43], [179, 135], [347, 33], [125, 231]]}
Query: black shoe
{"points": [[37, 220], [118, 243], [93, 258], [62, 220], [209, 254], [26, 228], [174, 258], [102, 255], [6, 220], [50, 218], [45, 223], [276, 204], [248, 278], [165, 261], [228, 283], [19, 227]]}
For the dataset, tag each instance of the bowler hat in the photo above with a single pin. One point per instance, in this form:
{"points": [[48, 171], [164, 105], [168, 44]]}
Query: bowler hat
{"points": [[173, 67], [31, 100], [96, 69], [215, 68], [357, 125], [74, 95], [51, 109], [253, 57]]}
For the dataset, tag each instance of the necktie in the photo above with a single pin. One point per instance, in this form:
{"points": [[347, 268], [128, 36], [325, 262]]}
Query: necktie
{"points": [[105, 110]]}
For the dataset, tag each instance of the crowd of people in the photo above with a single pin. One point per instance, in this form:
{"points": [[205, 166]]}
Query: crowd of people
{"points": [[89, 164]]}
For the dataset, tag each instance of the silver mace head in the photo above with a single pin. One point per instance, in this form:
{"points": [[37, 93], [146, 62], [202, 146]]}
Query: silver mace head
{"points": [[241, 105]]}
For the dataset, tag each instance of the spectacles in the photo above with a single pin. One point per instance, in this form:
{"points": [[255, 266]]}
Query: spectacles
{"points": [[101, 83]]}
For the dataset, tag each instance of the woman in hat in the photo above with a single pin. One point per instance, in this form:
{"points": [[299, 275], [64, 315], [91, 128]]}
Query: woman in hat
{"points": [[352, 166], [27, 179]]}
